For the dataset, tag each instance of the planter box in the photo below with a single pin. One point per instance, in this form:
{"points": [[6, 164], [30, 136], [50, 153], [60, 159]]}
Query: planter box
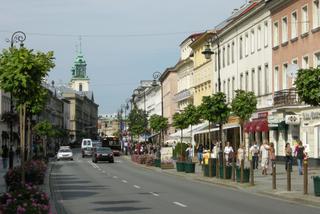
{"points": [[189, 167], [246, 174], [180, 166], [206, 169], [228, 172], [167, 166], [316, 184], [157, 162]]}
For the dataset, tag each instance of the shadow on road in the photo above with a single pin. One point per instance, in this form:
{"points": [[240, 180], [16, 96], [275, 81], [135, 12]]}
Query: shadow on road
{"points": [[121, 209], [115, 202]]}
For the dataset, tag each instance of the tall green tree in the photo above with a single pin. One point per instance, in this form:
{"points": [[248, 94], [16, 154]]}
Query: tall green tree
{"points": [[243, 105], [308, 86], [45, 130], [214, 109], [193, 117], [137, 121], [180, 122], [21, 73], [158, 124]]}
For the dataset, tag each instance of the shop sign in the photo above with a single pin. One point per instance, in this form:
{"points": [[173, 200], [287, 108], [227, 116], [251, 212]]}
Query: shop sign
{"points": [[274, 119], [262, 115], [311, 115], [292, 119]]}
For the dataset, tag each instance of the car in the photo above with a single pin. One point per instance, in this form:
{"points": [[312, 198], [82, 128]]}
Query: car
{"points": [[86, 147], [102, 154], [116, 152], [64, 154]]}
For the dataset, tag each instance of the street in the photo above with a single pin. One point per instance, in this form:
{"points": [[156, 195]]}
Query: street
{"points": [[81, 186]]}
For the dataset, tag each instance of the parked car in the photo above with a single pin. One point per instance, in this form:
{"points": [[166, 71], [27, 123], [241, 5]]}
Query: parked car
{"points": [[86, 147], [102, 154], [64, 154]]}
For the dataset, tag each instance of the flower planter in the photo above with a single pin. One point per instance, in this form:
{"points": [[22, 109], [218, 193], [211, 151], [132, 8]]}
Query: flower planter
{"points": [[167, 166], [189, 167], [206, 169], [180, 166], [246, 174], [228, 172], [316, 185], [157, 162]]}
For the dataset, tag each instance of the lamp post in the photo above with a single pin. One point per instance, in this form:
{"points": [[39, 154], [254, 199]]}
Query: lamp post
{"points": [[16, 37]]}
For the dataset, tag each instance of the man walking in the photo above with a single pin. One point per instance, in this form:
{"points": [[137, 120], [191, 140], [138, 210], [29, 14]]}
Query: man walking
{"points": [[254, 150]]}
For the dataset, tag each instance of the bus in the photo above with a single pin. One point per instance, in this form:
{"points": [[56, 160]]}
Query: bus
{"points": [[112, 142]]}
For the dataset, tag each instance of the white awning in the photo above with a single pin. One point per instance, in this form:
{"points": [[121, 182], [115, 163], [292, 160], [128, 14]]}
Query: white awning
{"points": [[187, 131], [227, 126]]}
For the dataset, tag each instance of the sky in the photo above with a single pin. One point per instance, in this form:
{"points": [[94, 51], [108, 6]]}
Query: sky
{"points": [[123, 41]]}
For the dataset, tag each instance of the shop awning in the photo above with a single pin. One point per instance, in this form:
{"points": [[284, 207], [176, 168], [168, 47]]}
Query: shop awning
{"points": [[262, 126], [256, 126]]}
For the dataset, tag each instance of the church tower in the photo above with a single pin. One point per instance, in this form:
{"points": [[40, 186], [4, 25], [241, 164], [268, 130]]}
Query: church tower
{"points": [[79, 80]]}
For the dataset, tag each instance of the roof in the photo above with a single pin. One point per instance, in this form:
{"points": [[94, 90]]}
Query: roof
{"points": [[166, 73], [192, 37]]}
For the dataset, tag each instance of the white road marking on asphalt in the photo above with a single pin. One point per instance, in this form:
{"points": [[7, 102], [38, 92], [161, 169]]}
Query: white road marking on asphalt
{"points": [[118, 161], [154, 194], [124, 181], [115, 177], [179, 204], [136, 186]]}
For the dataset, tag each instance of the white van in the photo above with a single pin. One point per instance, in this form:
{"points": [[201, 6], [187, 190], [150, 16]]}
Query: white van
{"points": [[86, 147]]}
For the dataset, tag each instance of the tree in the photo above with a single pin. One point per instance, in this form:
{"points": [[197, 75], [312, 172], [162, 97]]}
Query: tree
{"points": [[44, 129], [215, 110], [158, 123], [243, 105], [180, 122], [21, 73], [308, 86], [193, 116], [137, 121]]}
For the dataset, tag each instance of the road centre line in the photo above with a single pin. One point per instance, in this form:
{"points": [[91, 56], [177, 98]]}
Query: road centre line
{"points": [[124, 181], [115, 177], [136, 186], [154, 194], [179, 204]]}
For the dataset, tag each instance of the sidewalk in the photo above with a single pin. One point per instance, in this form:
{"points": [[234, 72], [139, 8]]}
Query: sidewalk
{"points": [[263, 183]]}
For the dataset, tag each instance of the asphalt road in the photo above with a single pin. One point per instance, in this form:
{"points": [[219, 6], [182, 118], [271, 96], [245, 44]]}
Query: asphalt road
{"points": [[81, 186]]}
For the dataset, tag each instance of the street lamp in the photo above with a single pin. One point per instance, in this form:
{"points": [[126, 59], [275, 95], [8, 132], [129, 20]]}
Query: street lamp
{"points": [[16, 37]]}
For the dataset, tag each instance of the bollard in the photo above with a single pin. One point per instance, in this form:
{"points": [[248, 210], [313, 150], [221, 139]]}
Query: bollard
{"points": [[251, 173], [305, 176], [217, 167], [241, 171], [224, 168], [233, 170], [288, 177], [274, 184]]}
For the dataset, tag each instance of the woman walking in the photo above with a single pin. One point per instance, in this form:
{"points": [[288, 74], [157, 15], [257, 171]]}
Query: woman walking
{"points": [[288, 154], [299, 154]]}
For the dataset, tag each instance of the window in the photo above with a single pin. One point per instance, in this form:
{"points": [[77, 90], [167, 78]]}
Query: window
{"points": [[216, 61], [253, 80], [284, 76], [294, 25], [232, 52], [224, 86], [228, 55], [316, 14], [228, 92], [259, 75], [284, 30], [266, 34], [305, 62], [232, 87], [275, 34], [246, 81], [252, 41], [246, 45], [241, 81], [295, 61], [216, 87], [317, 60], [224, 57], [80, 86], [266, 79], [241, 48], [276, 79], [305, 20], [259, 38]]}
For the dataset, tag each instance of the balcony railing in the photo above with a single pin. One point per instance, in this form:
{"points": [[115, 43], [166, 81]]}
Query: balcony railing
{"points": [[286, 97], [182, 95]]}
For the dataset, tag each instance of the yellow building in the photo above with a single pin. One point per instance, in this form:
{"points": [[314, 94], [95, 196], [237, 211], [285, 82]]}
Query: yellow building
{"points": [[203, 70]]}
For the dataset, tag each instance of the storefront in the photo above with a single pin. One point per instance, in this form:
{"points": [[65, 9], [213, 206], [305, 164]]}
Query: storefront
{"points": [[257, 129]]}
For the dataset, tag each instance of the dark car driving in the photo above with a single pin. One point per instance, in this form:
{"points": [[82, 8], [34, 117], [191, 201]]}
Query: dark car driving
{"points": [[102, 154]]}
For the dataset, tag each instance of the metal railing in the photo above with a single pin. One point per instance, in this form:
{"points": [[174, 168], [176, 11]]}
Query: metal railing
{"points": [[286, 97]]}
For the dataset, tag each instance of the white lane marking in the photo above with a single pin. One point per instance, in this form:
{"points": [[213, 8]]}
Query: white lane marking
{"points": [[115, 177], [124, 181], [179, 204], [118, 161], [136, 186], [154, 194]]}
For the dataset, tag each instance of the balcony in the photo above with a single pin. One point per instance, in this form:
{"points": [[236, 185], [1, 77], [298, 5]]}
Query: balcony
{"points": [[286, 97], [182, 95]]}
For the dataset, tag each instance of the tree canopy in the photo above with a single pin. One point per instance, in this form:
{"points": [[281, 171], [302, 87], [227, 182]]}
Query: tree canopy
{"points": [[244, 104], [192, 115], [179, 121], [44, 129], [308, 86], [137, 121], [158, 123]]}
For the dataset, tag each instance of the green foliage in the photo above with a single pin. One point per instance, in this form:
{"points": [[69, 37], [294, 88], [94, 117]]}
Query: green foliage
{"points": [[137, 121], [21, 73], [180, 151], [44, 129], [158, 123], [214, 108], [37, 104], [192, 115], [180, 121], [244, 104], [308, 86]]}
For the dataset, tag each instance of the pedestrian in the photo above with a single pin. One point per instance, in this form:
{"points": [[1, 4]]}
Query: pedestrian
{"points": [[299, 153], [288, 154], [264, 153], [199, 152], [11, 156], [5, 156], [272, 155], [189, 153], [228, 153], [254, 151], [241, 154]]}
